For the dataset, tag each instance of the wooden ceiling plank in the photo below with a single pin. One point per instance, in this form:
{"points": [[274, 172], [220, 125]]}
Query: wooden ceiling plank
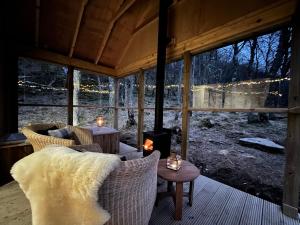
{"points": [[120, 12], [53, 57], [78, 23], [145, 23], [37, 23], [262, 19]]}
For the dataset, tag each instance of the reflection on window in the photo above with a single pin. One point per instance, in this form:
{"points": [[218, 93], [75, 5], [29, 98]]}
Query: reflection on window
{"points": [[173, 84], [150, 87], [41, 83], [253, 73], [86, 116], [128, 91], [91, 89], [41, 114]]}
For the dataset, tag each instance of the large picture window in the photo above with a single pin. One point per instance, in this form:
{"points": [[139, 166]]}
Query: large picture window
{"points": [[42, 93], [249, 74]]}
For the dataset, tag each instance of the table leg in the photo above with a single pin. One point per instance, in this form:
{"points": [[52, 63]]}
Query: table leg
{"points": [[179, 191], [191, 193]]}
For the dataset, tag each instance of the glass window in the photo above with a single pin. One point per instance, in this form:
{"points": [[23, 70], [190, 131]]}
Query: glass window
{"points": [[41, 83], [150, 87], [128, 92], [41, 114], [253, 73], [173, 84], [91, 89], [88, 115]]}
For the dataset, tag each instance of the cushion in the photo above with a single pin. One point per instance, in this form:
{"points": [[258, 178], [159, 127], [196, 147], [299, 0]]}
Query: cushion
{"points": [[60, 133], [45, 132]]}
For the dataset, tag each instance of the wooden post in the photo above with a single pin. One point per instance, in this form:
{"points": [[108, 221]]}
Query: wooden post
{"points": [[185, 104], [8, 70], [141, 94], [116, 109], [70, 86], [292, 166]]}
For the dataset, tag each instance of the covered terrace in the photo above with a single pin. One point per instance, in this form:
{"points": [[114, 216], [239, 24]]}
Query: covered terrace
{"points": [[120, 37]]}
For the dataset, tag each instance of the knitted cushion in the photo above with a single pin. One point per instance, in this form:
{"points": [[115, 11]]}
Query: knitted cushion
{"points": [[60, 133]]}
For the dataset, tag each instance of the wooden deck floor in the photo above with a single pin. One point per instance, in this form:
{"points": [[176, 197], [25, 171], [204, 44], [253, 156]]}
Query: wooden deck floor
{"points": [[218, 204], [214, 204]]}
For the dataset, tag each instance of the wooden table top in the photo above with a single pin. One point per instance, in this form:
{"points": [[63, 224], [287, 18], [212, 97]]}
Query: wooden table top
{"points": [[100, 130], [187, 172]]}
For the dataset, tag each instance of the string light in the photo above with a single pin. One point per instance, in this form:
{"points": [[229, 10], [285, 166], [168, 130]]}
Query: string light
{"points": [[90, 88]]}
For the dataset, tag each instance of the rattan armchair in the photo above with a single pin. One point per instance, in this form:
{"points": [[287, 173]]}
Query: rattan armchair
{"points": [[39, 141], [129, 192]]}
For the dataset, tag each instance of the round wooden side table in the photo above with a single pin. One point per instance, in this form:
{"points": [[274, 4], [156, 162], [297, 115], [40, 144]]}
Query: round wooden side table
{"points": [[187, 173]]}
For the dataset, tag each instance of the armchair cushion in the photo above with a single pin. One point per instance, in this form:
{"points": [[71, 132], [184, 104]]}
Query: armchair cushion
{"points": [[61, 133]]}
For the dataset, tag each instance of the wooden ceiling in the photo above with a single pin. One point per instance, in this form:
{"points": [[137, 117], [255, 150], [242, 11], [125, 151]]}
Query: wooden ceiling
{"points": [[118, 37]]}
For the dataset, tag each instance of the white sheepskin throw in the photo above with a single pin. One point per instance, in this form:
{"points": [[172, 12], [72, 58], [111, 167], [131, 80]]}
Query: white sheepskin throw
{"points": [[62, 185]]}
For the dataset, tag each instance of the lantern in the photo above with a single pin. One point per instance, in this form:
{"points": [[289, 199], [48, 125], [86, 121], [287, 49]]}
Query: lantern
{"points": [[174, 161], [100, 121]]}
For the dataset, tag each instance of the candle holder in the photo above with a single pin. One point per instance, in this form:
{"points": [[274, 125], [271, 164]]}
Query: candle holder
{"points": [[174, 161], [100, 121]]}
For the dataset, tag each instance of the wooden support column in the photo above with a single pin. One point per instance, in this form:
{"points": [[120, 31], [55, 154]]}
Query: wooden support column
{"points": [[185, 104], [116, 109], [70, 86], [292, 167], [141, 94], [8, 70]]}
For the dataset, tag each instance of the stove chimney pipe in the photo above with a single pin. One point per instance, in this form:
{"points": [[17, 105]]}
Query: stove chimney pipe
{"points": [[161, 61]]}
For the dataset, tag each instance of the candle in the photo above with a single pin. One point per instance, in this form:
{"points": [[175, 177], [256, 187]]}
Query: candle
{"points": [[174, 162], [100, 121]]}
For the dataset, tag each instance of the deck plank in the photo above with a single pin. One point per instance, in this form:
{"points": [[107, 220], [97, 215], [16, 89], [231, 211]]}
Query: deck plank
{"points": [[252, 213], [164, 213], [271, 214], [211, 213], [234, 208]]}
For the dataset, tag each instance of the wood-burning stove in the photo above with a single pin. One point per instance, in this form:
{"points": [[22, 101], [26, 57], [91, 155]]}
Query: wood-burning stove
{"points": [[157, 141], [160, 137]]}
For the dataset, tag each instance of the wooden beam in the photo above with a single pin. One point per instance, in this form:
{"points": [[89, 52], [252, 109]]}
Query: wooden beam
{"points": [[119, 13], [78, 23], [145, 23], [187, 59], [70, 85], [292, 166], [266, 110], [243, 27], [37, 23], [116, 107], [65, 60], [141, 94]]}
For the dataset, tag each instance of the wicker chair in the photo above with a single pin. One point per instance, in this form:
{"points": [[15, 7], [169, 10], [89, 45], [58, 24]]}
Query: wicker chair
{"points": [[39, 141], [129, 192]]}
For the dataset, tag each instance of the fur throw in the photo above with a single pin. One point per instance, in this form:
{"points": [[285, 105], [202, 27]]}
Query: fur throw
{"points": [[62, 185]]}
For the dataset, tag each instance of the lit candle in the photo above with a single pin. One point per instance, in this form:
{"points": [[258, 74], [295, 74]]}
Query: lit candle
{"points": [[100, 121], [174, 161]]}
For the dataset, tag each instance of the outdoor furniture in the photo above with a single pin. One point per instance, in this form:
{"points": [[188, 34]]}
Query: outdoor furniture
{"points": [[108, 138], [129, 192], [39, 141], [187, 173]]}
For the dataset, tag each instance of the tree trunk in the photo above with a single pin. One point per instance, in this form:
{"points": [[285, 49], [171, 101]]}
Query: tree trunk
{"points": [[281, 52], [253, 45], [77, 76]]}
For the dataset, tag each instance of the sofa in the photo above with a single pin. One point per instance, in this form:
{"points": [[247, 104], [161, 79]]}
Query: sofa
{"points": [[39, 140]]}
